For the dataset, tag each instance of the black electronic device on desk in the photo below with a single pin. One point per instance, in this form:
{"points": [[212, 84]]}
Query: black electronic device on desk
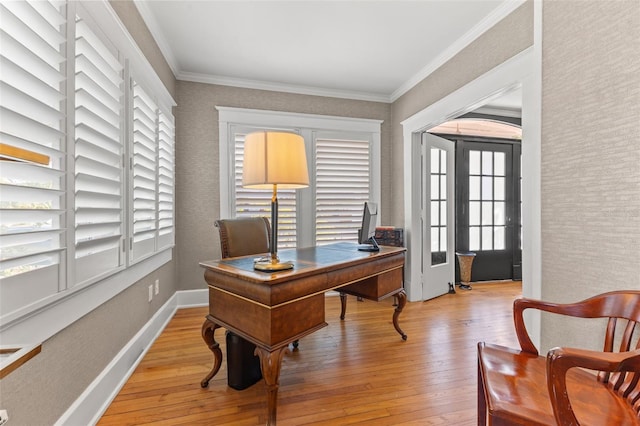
{"points": [[367, 234]]}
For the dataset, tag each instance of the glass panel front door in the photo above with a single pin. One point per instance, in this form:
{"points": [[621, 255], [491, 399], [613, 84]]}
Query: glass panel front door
{"points": [[488, 214], [486, 204]]}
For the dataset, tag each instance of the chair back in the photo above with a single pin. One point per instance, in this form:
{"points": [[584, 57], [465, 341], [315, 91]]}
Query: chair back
{"points": [[623, 310], [625, 382], [244, 236]]}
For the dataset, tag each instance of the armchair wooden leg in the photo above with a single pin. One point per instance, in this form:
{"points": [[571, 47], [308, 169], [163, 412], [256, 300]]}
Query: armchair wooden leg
{"points": [[482, 403]]}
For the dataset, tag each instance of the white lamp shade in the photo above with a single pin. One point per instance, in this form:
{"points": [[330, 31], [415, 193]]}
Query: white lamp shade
{"points": [[274, 158]]}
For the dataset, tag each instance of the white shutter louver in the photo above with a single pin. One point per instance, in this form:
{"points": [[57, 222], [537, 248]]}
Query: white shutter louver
{"points": [[144, 171], [32, 36], [98, 157], [342, 187], [253, 202], [166, 146]]}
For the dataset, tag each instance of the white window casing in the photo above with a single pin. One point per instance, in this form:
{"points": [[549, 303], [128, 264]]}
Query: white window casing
{"points": [[331, 208]]}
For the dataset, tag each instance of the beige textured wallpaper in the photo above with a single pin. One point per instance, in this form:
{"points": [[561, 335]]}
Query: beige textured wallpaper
{"points": [[197, 168], [41, 390], [507, 38], [590, 156]]}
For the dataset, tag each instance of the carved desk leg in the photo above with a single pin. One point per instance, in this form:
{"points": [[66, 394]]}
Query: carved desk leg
{"points": [[270, 364], [343, 305], [402, 300], [208, 330]]}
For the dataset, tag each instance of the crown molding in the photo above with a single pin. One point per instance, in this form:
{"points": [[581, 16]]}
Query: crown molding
{"points": [[156, 32], [483, 26], [488, 22], [281, 87]]}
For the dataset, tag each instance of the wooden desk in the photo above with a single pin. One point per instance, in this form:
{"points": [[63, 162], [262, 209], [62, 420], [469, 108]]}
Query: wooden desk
{"points": [[274, 309]]}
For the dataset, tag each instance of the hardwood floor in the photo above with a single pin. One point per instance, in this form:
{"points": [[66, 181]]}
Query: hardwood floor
{"points": [[356, 371]]}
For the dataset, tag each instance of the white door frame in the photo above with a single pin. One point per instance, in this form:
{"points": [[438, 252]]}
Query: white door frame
{"points": [[522, 70]]}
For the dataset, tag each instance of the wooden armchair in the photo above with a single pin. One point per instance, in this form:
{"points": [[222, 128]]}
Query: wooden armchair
{"points": [[570, 386]]}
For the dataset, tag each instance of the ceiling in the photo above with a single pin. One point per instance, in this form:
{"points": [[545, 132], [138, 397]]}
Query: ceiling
{"points": [[368, 49]]}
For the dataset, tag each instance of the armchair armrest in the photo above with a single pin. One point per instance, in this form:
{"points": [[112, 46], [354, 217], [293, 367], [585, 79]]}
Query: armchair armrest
{"points": [[595, 307], [519, 306], [560, 360]]}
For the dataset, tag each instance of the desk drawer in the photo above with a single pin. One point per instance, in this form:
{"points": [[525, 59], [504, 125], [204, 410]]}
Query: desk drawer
{"points": [[265, 326], [378, 287]]}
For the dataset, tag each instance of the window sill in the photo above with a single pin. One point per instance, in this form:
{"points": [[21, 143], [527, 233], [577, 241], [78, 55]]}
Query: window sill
{"points": [[47, 321]]}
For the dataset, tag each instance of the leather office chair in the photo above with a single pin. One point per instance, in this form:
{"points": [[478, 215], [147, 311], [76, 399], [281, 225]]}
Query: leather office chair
{"points": [[244, 236]]}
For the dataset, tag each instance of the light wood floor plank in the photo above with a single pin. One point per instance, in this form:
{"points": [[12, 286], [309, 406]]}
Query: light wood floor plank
{"points": [[353, 372]]}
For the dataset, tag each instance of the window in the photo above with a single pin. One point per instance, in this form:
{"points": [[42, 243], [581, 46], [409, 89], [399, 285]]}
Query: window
{"points": [[254, 202], [32, 119], [487, 192], [144, 172], [343, 160], [479, 127], [166, 179], [99, 204], [66, 108], [438, 205], [151, 177], [343, 184]]}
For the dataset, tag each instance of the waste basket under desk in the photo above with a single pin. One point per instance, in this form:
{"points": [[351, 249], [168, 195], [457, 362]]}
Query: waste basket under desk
{"points": [[243, 366]]}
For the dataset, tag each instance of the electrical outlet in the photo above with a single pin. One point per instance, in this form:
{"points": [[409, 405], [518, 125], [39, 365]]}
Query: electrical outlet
{"points": [[150, 292], [4, 417], [157, 287]]}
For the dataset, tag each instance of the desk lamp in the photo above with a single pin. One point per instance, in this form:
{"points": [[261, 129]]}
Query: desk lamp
{"points": [[273, 159]]}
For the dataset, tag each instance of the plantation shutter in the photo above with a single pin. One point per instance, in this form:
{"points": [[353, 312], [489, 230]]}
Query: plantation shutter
{"points": [[98, 157], [255, 202], [166, 144], [343, 184], [144, 174], [32, 232]]}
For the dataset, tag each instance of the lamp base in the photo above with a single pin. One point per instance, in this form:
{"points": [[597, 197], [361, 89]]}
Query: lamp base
{"points": [[272, 265]]}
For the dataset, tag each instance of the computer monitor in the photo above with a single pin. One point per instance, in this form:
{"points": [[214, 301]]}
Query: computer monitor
{"points": [[368, 231]]}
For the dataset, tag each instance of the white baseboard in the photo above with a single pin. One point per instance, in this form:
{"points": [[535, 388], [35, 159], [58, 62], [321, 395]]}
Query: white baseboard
{"points": [[193, 298], [94, 401]]}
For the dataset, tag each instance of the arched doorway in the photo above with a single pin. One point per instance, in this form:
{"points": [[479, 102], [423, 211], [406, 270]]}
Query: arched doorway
{"points": [[521, 71], [488, 193]]}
